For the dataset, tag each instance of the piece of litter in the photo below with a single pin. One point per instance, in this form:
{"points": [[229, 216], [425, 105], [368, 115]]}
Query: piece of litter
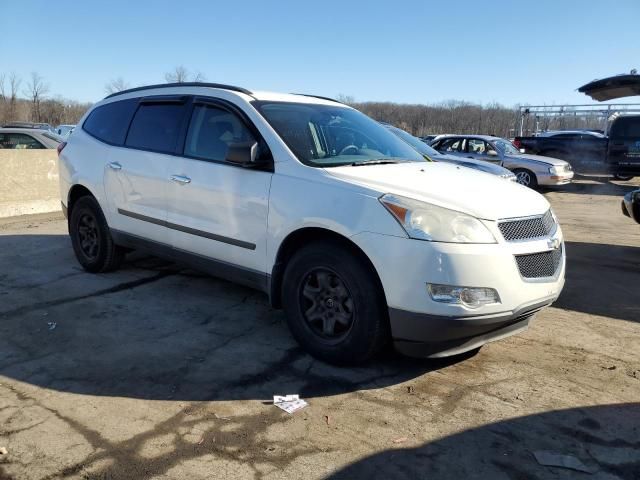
{"points": [[327, 419], [411, 390], [400, 440], [3, 451], [52, 325], [553, 459], [289, 403]]}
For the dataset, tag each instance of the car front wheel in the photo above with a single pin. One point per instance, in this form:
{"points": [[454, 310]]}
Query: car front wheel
{"points": [[334, 304], [526, 178]]}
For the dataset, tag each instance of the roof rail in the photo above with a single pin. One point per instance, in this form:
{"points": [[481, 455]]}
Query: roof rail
{"points": [[317, 96], [182, 84]]}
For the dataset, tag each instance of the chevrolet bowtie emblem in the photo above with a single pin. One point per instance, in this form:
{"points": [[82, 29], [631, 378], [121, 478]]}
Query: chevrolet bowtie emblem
{"points": [[553, 243]]}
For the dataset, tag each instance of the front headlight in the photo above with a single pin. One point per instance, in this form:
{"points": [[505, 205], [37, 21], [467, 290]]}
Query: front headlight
{"points": [[424, 221]]}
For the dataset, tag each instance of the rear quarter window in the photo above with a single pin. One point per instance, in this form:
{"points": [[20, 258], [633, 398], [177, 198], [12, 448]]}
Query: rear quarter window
{"points": [[109, 122], [626, 128], [156, 127]]}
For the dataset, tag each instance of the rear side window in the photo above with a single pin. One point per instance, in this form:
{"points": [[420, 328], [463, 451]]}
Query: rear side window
{"points": [[156, 127], [109, 122], [211, 132], [626, 128], [450, 145]]}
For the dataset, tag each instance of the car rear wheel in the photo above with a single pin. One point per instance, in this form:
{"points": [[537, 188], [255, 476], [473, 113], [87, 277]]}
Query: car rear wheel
{"points": [[91, 238], [526, 177], [334, 304]]}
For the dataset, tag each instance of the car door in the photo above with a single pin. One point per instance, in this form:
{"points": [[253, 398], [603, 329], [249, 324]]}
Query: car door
{"points": [[624, 145], [218, 210], [137, 174], [480, 149], [451, 146]]}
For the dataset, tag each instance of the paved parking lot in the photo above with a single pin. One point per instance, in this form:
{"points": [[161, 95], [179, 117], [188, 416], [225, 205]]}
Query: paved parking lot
{"points": [[156, 371]]}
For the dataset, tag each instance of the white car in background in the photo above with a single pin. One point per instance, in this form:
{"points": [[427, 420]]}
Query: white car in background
{"points": [[530, 170], [349, 229]]}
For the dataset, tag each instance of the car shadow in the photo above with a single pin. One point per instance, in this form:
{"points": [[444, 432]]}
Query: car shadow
{"points": [[153, 330], [604, 439], [595, 186], [616, 271]]}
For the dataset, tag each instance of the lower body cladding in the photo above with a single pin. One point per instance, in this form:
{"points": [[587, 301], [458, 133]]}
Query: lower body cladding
{"points": [[423, 327]]}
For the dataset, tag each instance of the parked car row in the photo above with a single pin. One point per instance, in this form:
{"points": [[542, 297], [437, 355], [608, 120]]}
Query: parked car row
{"points": [[530, 170], [355, 234], [436, 156], [617, 153]]}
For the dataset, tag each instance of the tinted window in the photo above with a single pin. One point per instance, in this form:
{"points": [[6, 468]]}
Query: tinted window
{"points": [[109, 122], [212, 130], [626, 128], [156, 126], [19, 141]]}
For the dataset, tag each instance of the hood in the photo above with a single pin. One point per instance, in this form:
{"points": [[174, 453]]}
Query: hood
{"points": [[539, 158], [488, 167], [458, 188], [610, 88]]}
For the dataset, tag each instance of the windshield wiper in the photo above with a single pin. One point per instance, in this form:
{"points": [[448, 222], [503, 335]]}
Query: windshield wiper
{"points": [[378, 161]]}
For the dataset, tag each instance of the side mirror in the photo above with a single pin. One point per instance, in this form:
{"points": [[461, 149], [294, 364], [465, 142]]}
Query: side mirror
{"points": [[522, 150], [492, 153], [243, 153]]}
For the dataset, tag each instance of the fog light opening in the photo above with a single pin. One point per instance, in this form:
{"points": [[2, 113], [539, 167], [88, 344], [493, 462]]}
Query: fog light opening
{"points": [[470, 297]]}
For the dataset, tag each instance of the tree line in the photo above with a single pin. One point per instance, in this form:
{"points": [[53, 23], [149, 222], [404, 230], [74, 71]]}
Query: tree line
{"points": [[29, 100]]}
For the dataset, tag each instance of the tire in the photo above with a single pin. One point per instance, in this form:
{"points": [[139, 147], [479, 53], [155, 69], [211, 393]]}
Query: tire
{"points": [[334, 304], [526, 178], [622, 177], [91, 238]]}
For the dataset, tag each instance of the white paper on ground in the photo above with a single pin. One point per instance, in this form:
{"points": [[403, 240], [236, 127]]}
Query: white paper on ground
{"points": [[289, 403]]}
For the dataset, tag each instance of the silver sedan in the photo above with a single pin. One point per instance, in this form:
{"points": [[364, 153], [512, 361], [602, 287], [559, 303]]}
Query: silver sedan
{"points": [[530, 170]]}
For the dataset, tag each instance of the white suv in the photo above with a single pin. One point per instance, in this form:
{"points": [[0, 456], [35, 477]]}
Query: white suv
{"points": [[356, 235]]}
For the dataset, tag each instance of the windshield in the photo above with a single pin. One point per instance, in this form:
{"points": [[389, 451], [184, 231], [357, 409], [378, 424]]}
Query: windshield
{"points": [[415, 142], [329, 136], [506, 147]]}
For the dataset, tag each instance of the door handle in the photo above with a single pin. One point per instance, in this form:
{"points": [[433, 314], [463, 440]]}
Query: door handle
{"points": [[114, 166], [180, 179]]}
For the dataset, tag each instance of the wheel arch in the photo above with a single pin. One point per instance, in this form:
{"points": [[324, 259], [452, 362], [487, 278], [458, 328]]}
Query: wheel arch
{"points": [[304, 236], [76, 192]]}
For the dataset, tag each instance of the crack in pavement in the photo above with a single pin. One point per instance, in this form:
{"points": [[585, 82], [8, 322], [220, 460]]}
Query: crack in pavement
{"points": [[106, 291]]}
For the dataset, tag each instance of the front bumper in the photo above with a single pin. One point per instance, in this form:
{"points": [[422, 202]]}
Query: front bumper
{"points": [[424, 327], [432, 336], [552, 180], [631, 205]]}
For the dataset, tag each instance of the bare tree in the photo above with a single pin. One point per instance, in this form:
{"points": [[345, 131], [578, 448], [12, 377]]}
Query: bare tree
{"points": [[177, 75], [35, 91], [3, 95], [346, 99], [181, 74], [14, 86], [116, 85]]}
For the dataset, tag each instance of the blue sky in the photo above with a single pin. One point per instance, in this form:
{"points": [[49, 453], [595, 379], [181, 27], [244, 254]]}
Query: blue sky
{"points": [[535, 52]]}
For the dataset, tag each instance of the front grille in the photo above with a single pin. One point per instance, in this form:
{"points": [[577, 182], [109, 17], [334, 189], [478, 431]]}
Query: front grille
{"points": [[528, 228], [539, 265]]}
